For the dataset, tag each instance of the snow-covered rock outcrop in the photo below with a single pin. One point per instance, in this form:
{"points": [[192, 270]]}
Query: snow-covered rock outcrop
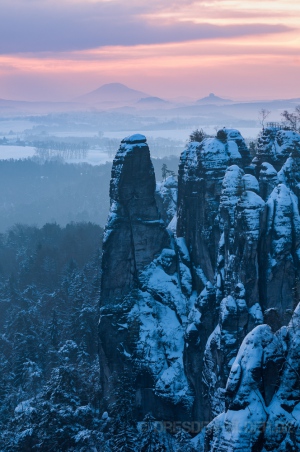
{"points": [[194, 289], [201, 172], [240, 218], [145, 289], [267, 179], [280, 257], [223, 345], [274, 146], [262, 394], [134, 232]]}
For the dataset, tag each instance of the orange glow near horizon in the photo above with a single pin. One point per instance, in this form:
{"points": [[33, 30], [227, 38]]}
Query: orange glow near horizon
{"points": [[257, 66]]}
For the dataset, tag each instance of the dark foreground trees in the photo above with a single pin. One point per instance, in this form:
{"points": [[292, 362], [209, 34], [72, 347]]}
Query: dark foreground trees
{"points": [[49, 368]]}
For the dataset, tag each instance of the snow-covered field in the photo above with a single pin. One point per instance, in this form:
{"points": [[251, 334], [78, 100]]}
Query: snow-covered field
{"points": [[98, 157], [94, 156], [16, 152]]}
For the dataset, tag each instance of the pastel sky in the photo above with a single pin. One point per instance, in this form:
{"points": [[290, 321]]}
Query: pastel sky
{"points": [[60, 49]]}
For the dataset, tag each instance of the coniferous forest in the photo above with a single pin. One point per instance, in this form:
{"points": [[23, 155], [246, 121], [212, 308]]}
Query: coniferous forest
{"points": [[49, 359]]}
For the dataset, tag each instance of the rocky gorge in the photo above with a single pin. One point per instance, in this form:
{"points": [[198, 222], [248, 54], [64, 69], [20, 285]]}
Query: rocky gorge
{"points": [[200, 290]]}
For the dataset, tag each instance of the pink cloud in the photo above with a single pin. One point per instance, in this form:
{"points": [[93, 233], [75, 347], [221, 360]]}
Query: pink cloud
{"points": [[38, 28]]}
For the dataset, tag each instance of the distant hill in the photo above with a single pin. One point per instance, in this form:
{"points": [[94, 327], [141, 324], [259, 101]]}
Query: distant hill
{"points": [[112, 92], [212, 99], [152, 100]]}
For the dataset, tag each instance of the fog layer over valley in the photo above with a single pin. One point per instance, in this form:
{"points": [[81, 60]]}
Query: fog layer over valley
{"points": [[34, 192]]}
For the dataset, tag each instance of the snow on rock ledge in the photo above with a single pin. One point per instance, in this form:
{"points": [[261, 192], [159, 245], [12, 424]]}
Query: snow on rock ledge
{"points": [[262, 393]]}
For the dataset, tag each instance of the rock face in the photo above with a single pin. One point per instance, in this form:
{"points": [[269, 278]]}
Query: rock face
{"points": [[201, 172], [198, 292], [144, 290], [274, 146], [134, 233], [262, 394], [240, 214], [280, 256], [166, 198]]}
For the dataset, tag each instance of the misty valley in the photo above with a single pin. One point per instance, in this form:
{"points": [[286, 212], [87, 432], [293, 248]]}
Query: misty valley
{"points": [[151, 304]]}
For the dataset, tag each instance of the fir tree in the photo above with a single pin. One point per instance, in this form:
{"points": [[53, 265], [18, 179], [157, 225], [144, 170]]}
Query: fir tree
{"points": [[198, 135], [123, 433], [150, 438]]}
